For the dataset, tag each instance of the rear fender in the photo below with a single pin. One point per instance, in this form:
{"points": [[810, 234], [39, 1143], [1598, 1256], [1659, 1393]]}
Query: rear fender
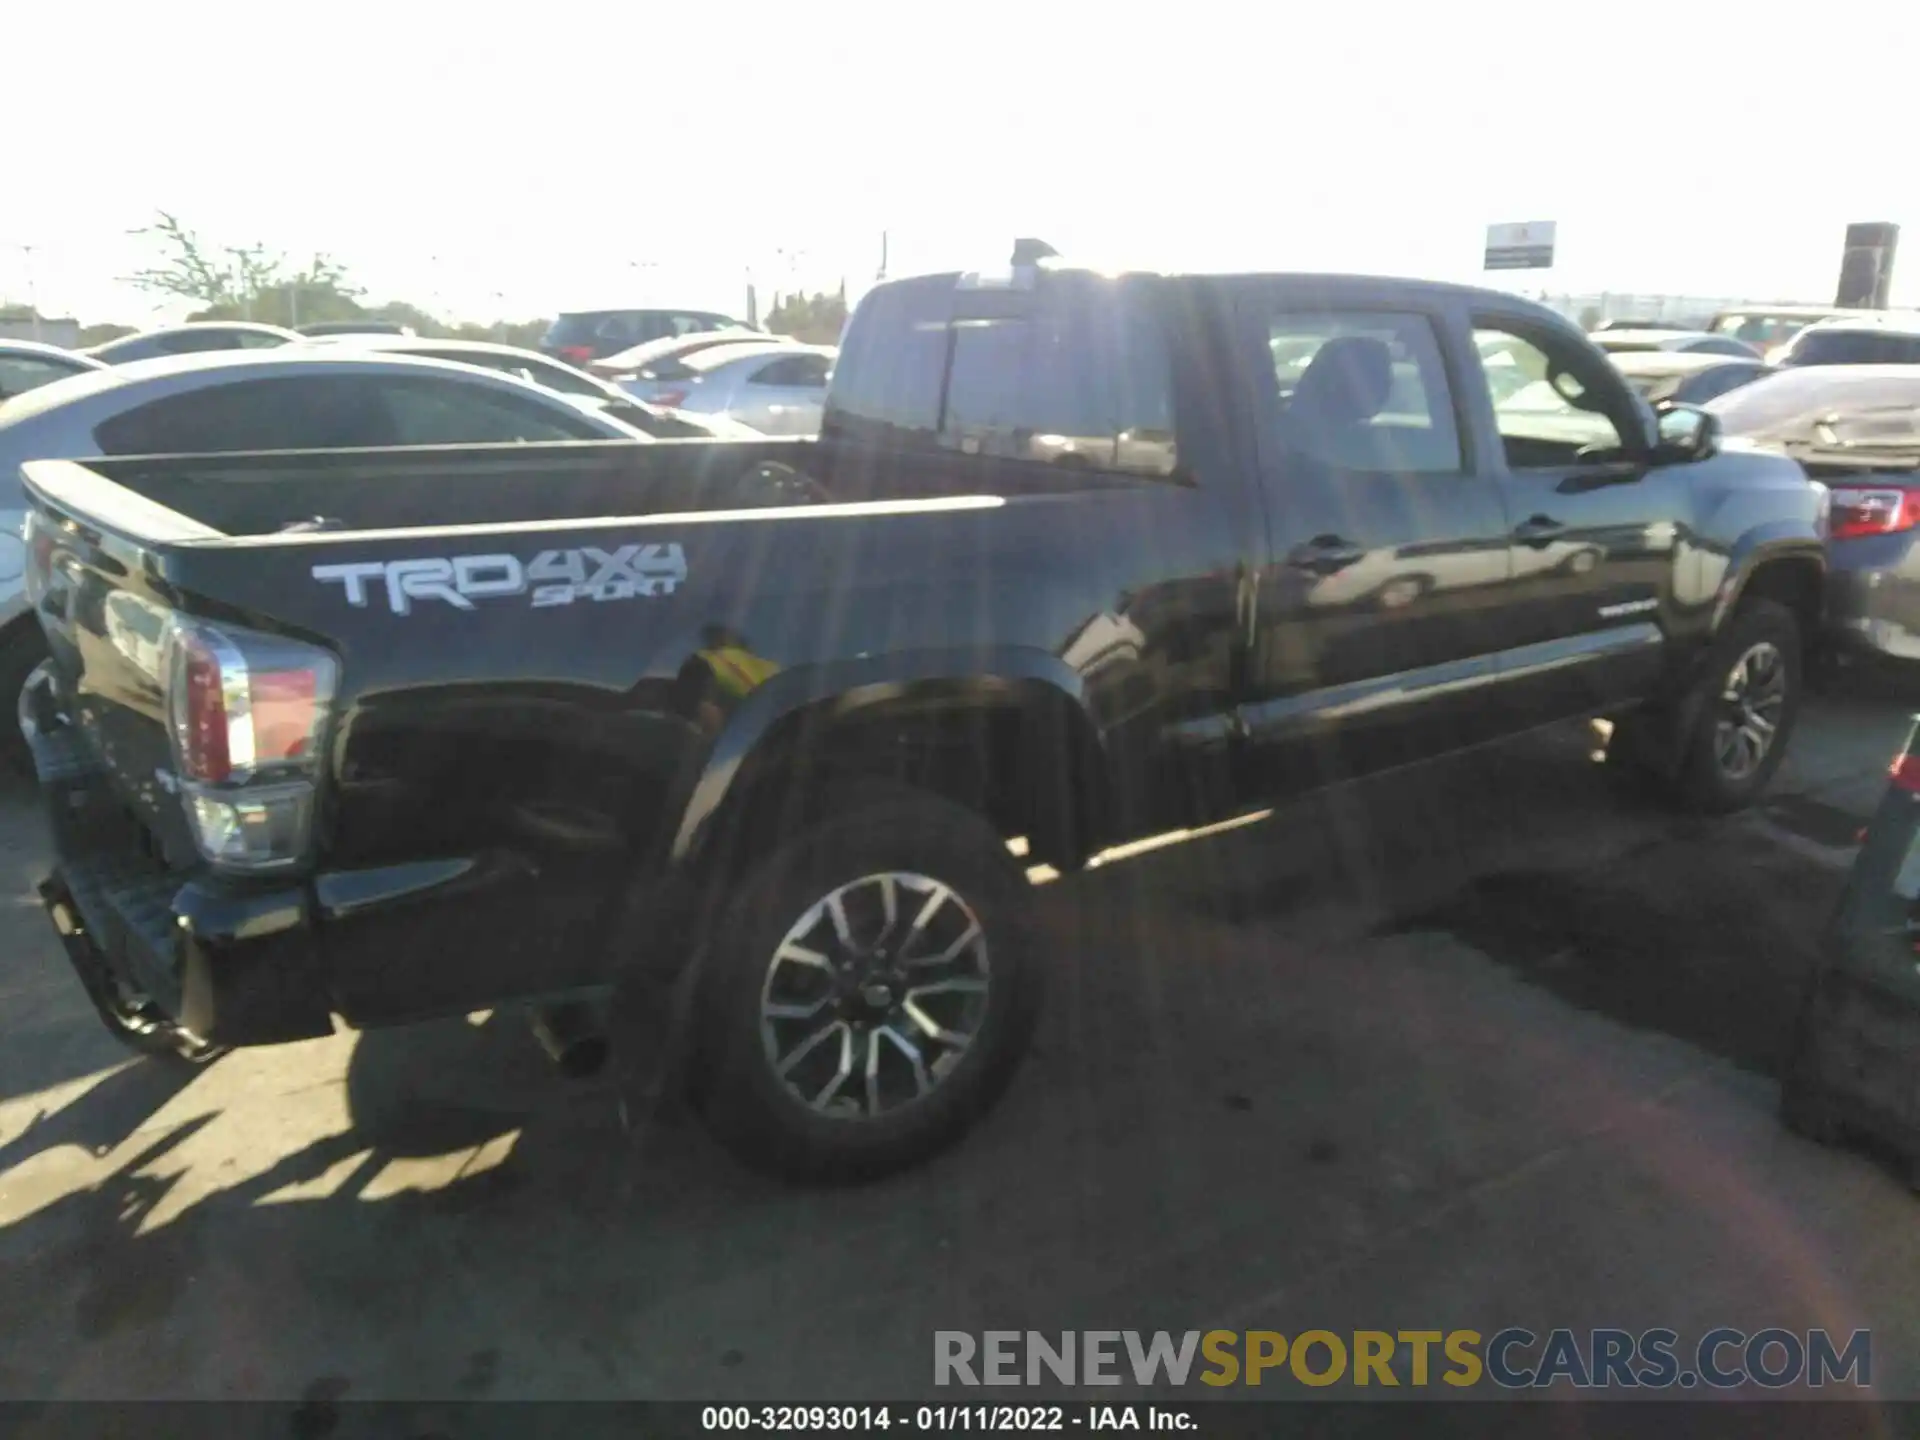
{"points": [[841, 689]]}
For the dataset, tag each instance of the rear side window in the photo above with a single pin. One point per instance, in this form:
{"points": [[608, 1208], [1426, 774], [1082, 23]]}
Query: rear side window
{"points": [[316, 413], [1363, 391]]}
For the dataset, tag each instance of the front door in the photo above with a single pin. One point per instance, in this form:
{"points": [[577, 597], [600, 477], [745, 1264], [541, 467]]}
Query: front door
{"points": [[1593, 527], [1373, 644]]}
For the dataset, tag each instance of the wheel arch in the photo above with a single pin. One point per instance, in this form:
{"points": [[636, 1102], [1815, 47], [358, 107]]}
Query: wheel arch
{"points": [[1787, 568], [1005, 733]]}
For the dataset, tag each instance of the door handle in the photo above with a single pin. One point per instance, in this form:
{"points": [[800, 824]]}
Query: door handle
{"points": [[1539, 530], [1325, 554]]}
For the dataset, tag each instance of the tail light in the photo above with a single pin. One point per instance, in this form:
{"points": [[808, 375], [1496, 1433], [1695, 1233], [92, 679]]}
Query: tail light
{"points": [[668, 399], [248, 717], [1905, 774], [574, 354], [1881, 510]]}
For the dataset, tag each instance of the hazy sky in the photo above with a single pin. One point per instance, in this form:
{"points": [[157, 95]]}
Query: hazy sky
{"points": [[512, 159]]}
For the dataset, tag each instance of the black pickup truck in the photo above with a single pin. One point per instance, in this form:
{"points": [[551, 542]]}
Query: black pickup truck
{"points": [[388, 735]]}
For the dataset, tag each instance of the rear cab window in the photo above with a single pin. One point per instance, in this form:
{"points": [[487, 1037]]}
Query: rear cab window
{"points": [[1074, 372]]}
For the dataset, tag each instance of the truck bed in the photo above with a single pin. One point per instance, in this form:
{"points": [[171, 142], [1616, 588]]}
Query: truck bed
{"points": [[358, 490]]}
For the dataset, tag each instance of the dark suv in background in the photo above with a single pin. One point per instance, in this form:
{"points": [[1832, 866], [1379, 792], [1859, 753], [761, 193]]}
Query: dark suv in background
{"points": [[583, 335]]}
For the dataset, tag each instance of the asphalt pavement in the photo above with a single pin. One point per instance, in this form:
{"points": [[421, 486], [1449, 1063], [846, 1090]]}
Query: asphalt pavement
{"points": [[1488, 1044]]}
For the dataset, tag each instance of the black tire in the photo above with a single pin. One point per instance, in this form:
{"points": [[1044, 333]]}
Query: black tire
{"points": [[21, 651], [1706, 782], [749, 1107]]}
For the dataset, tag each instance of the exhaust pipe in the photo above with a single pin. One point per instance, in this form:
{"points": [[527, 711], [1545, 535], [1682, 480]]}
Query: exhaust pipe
{"points": [[574, 1035]]}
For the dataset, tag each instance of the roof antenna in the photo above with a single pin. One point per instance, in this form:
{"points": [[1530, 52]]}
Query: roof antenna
{"points": [[1029, 251]]}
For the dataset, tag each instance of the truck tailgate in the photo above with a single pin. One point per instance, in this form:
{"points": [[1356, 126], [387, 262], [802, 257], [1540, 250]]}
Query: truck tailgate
{"points": [[105, 620]]}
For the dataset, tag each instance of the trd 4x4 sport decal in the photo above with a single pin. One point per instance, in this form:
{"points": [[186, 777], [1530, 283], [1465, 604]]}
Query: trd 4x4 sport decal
{"points": [[553, 577]]}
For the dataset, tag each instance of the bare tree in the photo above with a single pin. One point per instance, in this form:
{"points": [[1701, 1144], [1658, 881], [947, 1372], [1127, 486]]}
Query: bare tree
{"points": [[231, 281]]}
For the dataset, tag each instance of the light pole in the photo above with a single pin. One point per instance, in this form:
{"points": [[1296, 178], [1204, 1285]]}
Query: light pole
{"points": [[33, 300]]}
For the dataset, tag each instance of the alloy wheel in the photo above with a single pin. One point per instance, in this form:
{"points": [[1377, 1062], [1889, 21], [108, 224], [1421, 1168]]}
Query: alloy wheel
{"points": [[1752, 702], [874, 995]]}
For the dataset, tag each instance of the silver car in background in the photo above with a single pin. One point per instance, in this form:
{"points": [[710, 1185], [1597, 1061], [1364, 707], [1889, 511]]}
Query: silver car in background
{"points": [[661, 364], [1856, 430], [778, 389]]}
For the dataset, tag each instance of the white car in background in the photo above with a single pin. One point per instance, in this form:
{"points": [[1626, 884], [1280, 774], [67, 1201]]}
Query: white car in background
{"points": [[291, 397], [777, 389]]}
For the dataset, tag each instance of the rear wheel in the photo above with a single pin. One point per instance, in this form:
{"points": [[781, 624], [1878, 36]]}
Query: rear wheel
{"points": [[868, 992]]}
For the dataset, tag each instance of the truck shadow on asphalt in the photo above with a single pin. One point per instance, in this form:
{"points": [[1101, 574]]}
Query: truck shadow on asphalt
{"points": [[1211, 1003]]}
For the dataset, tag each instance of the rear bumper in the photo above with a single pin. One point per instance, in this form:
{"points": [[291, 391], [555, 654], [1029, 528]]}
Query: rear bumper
{"points": [[1873, 596], [232, 965], [240, 962]]}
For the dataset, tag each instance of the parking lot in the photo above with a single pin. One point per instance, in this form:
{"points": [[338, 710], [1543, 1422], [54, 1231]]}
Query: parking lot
{"points": [[1482, 1046]]}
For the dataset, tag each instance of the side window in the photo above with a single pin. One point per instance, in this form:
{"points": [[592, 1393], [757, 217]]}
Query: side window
{"points": [[621, 331], [191, 342], [441, 412], [1086, 381], [319, 413], [1546, 398], [691, 324], [1364, 391], [794, 371], [21, 373]]}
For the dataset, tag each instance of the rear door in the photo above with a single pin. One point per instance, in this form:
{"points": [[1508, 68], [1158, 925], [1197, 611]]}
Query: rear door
{"points": [[1376, 628]]}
